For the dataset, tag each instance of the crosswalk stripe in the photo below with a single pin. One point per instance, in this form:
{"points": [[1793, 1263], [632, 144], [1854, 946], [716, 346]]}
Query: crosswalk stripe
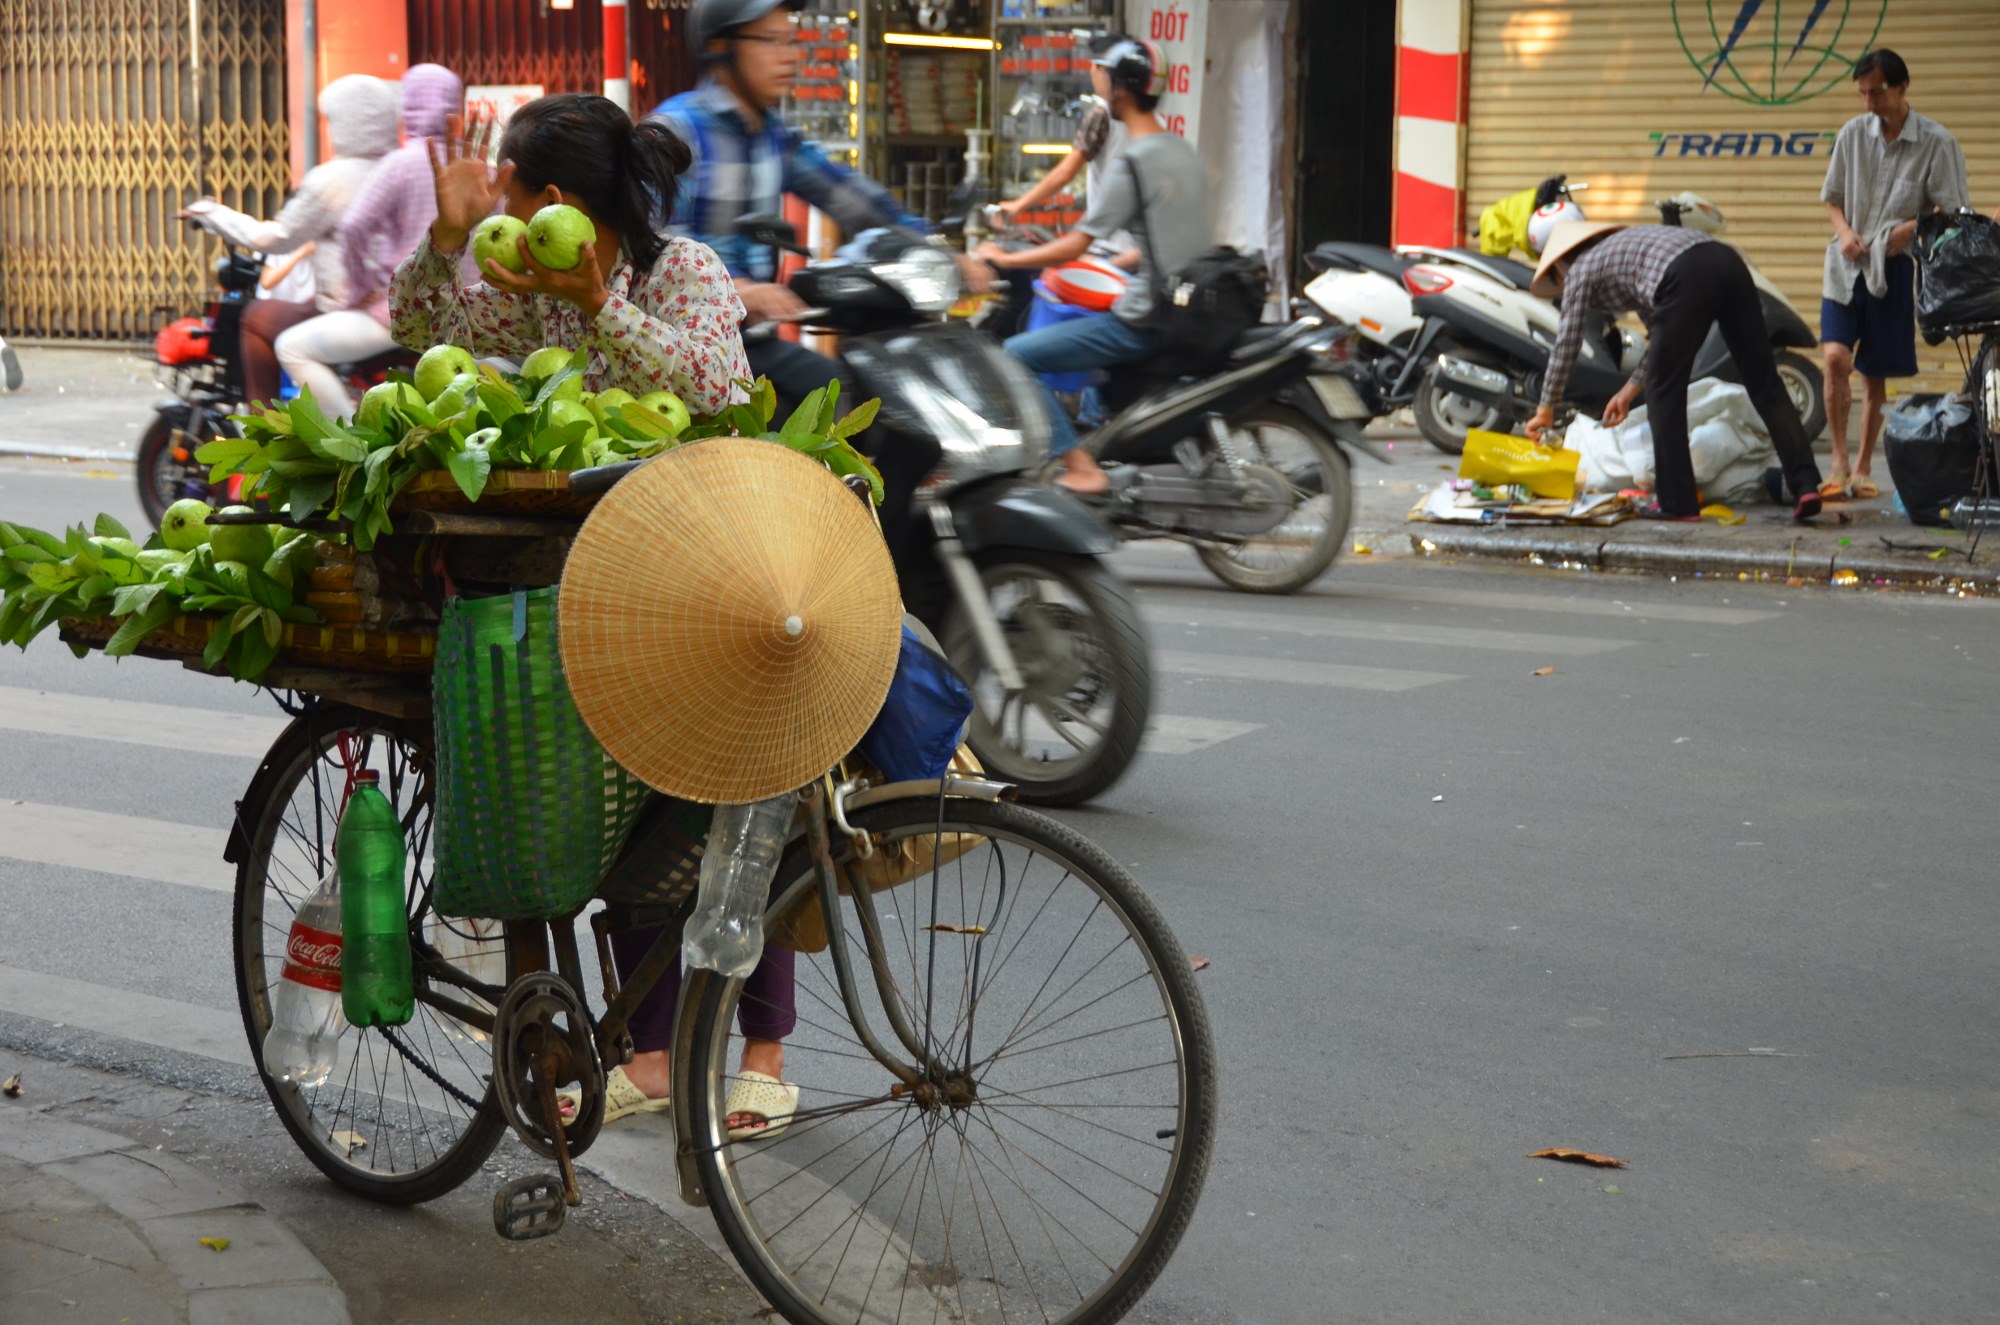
{"points": [[115, 844], [169, 726], [1534, 602], [1393, 632], [164, 1022], [1337, 675], [1172, 734]]}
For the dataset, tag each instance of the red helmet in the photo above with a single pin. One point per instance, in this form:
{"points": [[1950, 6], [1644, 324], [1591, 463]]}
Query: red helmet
{"points": [[183, 341]]}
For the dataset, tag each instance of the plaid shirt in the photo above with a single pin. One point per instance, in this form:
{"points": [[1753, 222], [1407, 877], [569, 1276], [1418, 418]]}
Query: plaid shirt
{"points": [[738, 172], [1619, 274]]}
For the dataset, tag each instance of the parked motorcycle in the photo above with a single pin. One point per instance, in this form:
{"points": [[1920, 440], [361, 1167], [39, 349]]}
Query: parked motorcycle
{"points": [[200, 364], [1007, 572]]}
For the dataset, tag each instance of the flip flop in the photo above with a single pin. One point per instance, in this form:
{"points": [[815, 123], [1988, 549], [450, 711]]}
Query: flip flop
{"points": [[1863, 488], [1834, 488], [622, 1099], [772, 1100]]}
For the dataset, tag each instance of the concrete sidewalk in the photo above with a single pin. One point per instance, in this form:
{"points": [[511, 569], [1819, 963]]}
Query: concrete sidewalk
{"points": [[79, 404], [102, 1228]]}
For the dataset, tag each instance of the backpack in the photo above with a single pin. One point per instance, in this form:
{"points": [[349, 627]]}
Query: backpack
{"points": [[1200, 310]]}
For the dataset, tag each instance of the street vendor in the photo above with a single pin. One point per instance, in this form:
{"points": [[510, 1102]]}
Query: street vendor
{"points": [[1680, 282], [657, 312]]}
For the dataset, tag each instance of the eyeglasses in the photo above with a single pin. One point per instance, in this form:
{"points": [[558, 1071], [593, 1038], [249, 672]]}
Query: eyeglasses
{"points": [[765, 39]]}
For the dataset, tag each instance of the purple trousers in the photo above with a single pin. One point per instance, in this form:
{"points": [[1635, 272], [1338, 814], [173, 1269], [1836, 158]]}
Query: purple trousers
{"points": [[768, 1009]]}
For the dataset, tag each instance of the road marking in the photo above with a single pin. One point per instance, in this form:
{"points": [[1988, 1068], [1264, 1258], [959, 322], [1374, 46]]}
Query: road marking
{"points": [[1533, 602], [126, 1013], [1172, 734], [1393, 632], [115, 844], [1337, 675], [169, 726]]}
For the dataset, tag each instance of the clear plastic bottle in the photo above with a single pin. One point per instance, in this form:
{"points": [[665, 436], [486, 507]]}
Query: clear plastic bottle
{"points": [[726, 932], [303, 1043], [377, 987], [474, 946]]}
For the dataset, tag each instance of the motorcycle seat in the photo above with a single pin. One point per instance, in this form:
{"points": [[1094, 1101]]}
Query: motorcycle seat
{"points": [[1520, 273], [394, 357], [1255, 336], [1358, 257]]}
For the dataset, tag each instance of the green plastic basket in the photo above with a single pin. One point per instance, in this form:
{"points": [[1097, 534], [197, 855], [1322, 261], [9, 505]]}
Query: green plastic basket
{"points": [[531, 812]]}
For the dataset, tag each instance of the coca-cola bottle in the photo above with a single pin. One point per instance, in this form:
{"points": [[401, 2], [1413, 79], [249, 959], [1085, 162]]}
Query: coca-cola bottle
{"points": [[304, 1040]]}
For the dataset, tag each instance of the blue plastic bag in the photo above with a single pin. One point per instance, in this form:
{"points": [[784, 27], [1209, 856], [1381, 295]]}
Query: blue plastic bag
{"points": [[923, 719]]}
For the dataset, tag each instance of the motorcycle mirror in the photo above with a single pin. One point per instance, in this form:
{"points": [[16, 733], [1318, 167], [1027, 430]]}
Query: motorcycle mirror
{"points": [[775, 231]]}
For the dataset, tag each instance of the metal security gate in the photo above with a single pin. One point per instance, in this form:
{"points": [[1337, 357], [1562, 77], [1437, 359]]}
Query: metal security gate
{"points": [[100, 146], [511, 42]]}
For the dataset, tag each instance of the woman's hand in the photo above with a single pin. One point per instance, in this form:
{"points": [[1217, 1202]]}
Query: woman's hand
{"points": [[992, 255], [582, 285], [467, 187]]}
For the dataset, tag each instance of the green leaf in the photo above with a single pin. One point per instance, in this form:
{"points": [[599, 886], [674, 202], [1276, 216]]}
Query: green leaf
{"points": [[306, 468], [274, 627], [503, 402], [251, 655], [106, 527], [469, 469], [48, 543], [309, 494], [225, 455], [135, 628], [550, 440], [301, 615], [764, 400], [218, 643], [94, 588], [322, 436], [805, 419], [857, 419], [9, 536], [53, 576], [28, 553], [134, 598], [826, 409], [76, 539], [264, 590]]}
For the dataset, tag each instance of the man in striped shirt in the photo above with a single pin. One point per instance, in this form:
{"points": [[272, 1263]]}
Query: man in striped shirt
{"points": [[1680, 282]]}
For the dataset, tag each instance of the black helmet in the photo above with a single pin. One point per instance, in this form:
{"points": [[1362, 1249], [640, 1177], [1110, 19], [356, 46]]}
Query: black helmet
{"points": [[710, 19], [1134, 65]]}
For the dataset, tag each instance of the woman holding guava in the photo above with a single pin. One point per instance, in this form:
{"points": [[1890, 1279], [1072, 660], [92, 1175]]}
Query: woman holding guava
{"points": [[657, 313]]}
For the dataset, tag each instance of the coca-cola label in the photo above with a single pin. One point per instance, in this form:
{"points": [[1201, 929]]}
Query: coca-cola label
{"points": [[312, 957]]}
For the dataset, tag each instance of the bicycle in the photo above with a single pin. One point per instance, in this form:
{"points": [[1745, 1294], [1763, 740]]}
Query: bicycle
{"points": [[1021, 1149], [1980, 511]]}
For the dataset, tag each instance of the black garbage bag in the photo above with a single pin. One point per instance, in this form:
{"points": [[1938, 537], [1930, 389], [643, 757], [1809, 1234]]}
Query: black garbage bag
{"points": [[1932, 445], [1958, 272]]}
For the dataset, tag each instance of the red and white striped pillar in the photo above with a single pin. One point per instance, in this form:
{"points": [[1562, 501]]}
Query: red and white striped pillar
{"points": [[617, 62], [1432, 40]]}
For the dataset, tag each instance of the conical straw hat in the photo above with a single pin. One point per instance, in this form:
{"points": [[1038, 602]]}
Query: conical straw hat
{"points": [[729, 621], [1565, 239]]}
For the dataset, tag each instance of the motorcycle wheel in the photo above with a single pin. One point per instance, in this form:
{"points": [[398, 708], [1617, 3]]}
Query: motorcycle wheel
{"points": [[1443, 415], [1318, 472], [1075, 727], [1806, 387], [164, 480]]}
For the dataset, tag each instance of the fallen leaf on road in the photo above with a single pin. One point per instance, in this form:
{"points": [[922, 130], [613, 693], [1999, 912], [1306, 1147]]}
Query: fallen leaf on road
{"points": [[1545, 671], [1361, 549], [1723, 514], [1436, 799], [214, 1244], [12, 1087], [1197, 963], [943, 928], [1939, 552], [1568, 1156]]}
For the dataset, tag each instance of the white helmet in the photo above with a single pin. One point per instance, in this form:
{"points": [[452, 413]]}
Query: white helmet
{"points": [[1695, 212], [1543, 223]]}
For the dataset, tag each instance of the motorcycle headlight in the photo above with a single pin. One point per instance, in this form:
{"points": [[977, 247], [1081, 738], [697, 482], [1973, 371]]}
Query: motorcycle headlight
{"points": [[927, 277]]}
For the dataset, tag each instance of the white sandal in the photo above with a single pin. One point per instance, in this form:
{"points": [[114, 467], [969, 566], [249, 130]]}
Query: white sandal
{"points": [[622, 1099], [767, 1097]]}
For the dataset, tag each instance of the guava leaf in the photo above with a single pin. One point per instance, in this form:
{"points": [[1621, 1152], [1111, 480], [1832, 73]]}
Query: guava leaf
{"points": [[134, 598], [9, 536], [106, 527], [48, 543], [94, 588], [219, 637], [469, 469], [308, 494], [764, 399], [135, 628], [53, 576], [267, 592], [805, 419], [857, 419], [28, 554], [503, 402]]}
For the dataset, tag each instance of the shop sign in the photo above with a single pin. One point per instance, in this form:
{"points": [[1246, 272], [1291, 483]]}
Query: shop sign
{"points": [[499, 100], [1798, 142], [1180, 29], [1769, 53]]}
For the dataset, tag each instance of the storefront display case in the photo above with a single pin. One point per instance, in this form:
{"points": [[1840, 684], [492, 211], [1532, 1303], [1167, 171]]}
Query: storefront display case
{"points": [[1041, 75]]}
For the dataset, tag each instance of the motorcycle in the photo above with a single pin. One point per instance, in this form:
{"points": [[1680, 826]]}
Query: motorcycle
{"points": [[1007, 572], [1374, 289], [200, 364]]}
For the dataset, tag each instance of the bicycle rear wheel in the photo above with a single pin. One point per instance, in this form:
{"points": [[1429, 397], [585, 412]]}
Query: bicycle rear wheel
{"points": [[408, 1112], [1051, 1174]]}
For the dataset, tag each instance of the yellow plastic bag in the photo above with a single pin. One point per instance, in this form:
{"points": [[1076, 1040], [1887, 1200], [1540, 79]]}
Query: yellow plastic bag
{"points": [[1498, 459]]}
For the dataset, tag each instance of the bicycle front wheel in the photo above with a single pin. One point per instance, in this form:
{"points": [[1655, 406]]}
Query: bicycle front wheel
{"points": [[408, 1112], [1047, 1170]]}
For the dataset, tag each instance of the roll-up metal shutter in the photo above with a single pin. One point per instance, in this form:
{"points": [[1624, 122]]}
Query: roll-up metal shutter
{"points": [[1634, 98]]}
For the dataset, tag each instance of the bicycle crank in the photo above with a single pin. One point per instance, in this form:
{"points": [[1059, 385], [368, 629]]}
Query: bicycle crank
{"points": [[543, 1042]]}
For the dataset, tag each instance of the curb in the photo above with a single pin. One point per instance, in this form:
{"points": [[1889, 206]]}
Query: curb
{"points": [[264, 1274], [1683, 559], [42, 451]]}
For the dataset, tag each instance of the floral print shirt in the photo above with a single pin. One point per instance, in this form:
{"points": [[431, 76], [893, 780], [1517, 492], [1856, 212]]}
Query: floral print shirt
{"points": [[676, 328]]}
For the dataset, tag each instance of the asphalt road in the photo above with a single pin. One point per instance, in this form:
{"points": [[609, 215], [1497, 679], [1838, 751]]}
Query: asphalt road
{"points": [[1710, 897]]}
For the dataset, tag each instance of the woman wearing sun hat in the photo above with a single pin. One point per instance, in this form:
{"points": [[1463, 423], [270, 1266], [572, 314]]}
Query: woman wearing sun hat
{"points": [[1680, 282]]}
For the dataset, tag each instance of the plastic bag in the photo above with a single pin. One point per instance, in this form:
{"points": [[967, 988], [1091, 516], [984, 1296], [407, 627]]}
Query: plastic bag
{"points": [[923, 718], [1498, 459], [1958, 272], [1932, 446]]}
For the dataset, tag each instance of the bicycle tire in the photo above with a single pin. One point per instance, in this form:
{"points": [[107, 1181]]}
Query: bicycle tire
{"points": [[723, 1165], [446, 1142], [162, 479]]}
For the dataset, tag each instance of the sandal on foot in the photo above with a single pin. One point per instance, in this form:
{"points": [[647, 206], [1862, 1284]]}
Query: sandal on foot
{"points": [[768, 1098], [1863, 488], [1834, 488], [622, 1099]]}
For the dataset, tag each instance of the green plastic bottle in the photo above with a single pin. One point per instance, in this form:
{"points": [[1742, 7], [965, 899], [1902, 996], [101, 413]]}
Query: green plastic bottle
{"points": [[376, 988]]}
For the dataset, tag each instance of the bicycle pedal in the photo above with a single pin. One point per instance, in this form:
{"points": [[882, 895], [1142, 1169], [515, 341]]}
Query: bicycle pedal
{"points": [[529, 1208]]}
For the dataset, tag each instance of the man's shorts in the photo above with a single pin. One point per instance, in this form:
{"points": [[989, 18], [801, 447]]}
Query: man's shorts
{"points": [[1884, 328]]}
